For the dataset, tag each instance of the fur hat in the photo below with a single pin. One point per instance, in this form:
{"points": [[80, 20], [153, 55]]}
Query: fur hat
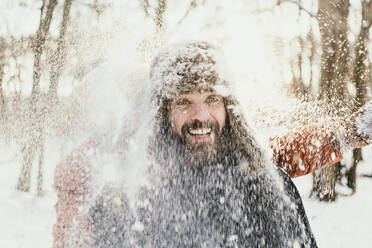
{"points": [[187, 67]]}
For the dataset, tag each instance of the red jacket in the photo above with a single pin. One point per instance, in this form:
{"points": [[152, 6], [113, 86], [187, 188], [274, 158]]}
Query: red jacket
{"points": [[305, 151], [298, 153]]}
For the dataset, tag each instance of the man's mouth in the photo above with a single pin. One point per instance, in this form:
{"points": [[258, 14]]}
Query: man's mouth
{"points": [[201, 135], [200, 131]]}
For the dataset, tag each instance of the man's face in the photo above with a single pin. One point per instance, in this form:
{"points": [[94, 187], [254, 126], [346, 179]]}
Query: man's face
{"points": [[198, 118]]}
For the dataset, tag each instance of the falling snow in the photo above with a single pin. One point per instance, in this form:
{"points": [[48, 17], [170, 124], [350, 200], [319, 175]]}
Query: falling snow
{"points": [[114, 105]]}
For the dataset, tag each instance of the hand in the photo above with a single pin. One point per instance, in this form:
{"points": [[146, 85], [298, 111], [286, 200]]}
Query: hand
{"points": [[363, 123]]}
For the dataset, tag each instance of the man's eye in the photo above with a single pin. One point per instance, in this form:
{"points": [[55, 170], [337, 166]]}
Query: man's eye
{"points": [[183, 102], [213, 99]]}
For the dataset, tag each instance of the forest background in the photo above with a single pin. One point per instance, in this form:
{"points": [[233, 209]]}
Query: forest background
{"points": [[71, 67]]}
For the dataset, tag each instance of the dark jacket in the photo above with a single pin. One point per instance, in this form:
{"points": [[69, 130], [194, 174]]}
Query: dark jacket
{"points": [[216, 206]]}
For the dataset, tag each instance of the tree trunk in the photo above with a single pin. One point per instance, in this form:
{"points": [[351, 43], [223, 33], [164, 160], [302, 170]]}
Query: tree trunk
{"points": [[40, 177], [146, 7], [324, 182], [332, 16], [59, 56], [35, 132], [361, 77], [361, 65], [351, 173], [3, 46], [38, 45], [298, 85], [159, 14], [24, 178]]}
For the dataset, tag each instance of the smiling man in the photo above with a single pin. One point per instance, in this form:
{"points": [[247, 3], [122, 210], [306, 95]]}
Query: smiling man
{"points": [[199, 118], [211, 184]]}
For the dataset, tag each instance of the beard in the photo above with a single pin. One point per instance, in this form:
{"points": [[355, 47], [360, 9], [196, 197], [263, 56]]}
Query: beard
{"points": [[200, 154], [233, 144], [190, 154]]}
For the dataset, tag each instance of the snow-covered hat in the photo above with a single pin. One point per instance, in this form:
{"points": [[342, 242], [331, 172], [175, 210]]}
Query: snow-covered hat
{"points": [[187, 67]]}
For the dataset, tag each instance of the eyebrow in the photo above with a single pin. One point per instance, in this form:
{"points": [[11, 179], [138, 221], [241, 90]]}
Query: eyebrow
{"points": [[181, 98]]}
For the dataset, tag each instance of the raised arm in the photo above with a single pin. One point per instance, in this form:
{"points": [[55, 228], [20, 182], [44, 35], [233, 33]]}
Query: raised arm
{"points": [[305, 150], [308, 149]]}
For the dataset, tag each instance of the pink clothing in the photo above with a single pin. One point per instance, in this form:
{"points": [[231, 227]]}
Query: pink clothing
{"points": [[72, 179]]}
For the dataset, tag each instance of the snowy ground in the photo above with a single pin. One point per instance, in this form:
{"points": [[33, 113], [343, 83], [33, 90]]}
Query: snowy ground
{"points": [[27, 221], [346, 223]]}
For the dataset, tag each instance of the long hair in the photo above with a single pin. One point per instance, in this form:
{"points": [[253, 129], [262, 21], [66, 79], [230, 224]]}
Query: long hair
{"points": [[237, 145], [195, 67]]}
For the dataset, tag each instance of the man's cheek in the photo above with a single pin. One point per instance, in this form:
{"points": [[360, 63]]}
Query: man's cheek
{"points": [[176, 126]]}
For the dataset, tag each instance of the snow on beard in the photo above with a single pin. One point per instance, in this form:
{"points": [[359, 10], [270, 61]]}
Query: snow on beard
{"points": [[201, 153], [173, 151]]}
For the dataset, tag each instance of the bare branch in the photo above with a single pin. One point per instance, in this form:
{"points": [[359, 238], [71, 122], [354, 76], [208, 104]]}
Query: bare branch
{"points": [[299, 6], [146, 6], [192, 6], [162, 6], [270, 9], [97, 7], [42, 10]]}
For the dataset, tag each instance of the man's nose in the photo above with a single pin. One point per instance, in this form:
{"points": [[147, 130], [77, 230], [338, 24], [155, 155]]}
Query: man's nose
{"points": [[200, 112]]}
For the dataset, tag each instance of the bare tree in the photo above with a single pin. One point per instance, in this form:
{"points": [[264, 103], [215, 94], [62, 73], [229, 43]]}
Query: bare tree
{"points": [[146, 7], [38, 45], [60, 53], [159, 14], [298, 86], [35, 141], [361, 77], [3, 46], [333, 25]]}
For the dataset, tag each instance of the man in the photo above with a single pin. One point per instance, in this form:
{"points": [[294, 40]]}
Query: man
{"points": [[211, 185]]}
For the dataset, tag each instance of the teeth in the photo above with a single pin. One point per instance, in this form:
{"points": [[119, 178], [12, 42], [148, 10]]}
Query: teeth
{"points": [[200, 131]]}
